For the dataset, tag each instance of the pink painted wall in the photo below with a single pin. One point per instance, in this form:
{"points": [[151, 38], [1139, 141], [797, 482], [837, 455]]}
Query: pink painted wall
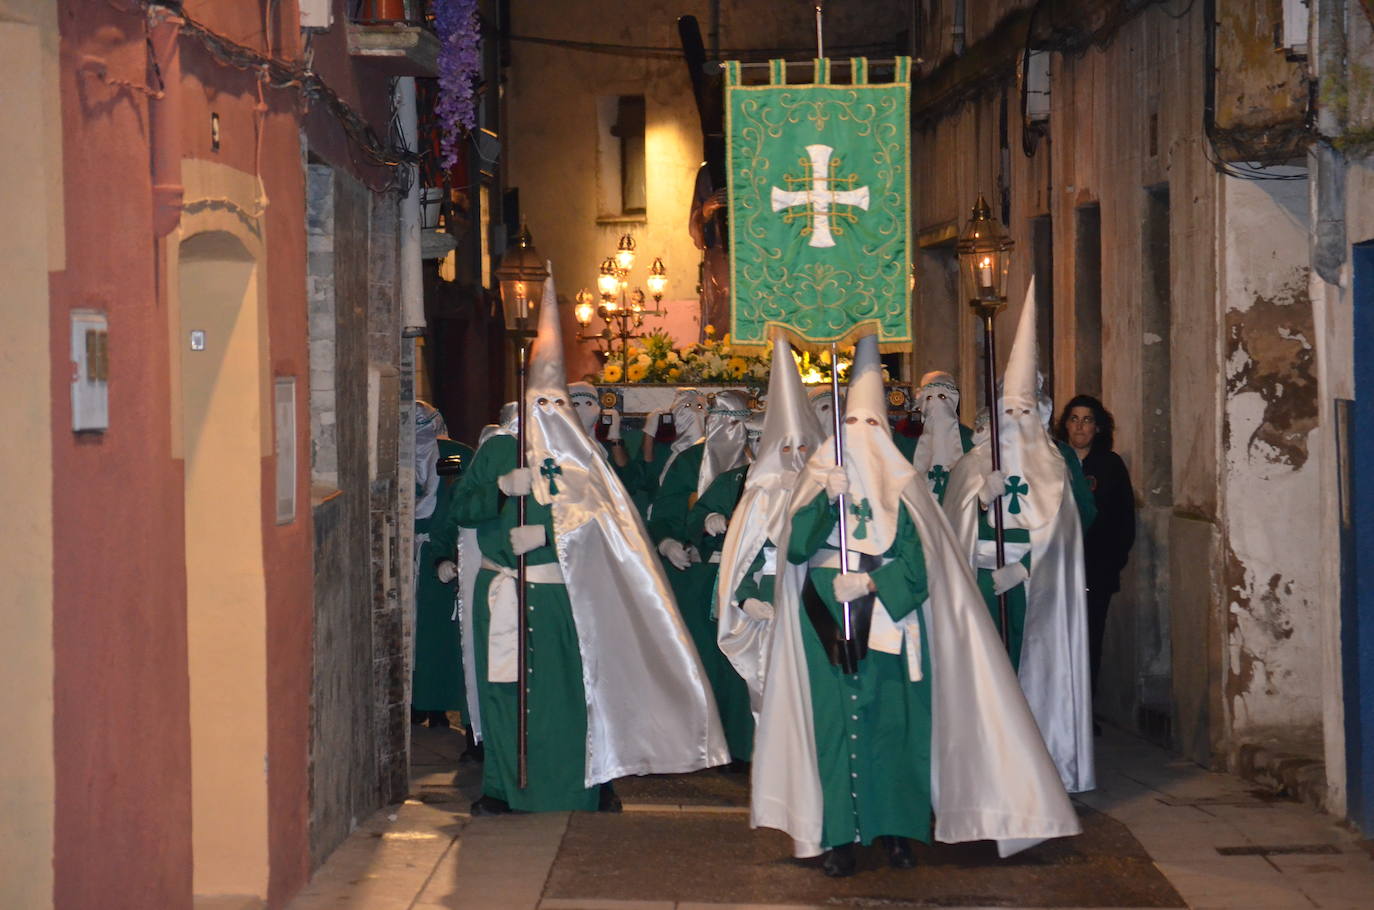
{"points": [[122, 746]]}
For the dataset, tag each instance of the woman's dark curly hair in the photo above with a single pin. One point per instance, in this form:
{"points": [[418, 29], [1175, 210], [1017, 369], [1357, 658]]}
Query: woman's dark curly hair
{"points": [[1106, 426]]}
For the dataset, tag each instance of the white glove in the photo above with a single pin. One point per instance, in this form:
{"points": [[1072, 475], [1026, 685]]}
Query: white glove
{"points": [[754, 608], [651, 423], [446, 570], [852, 586], [613, 430], [675, 553], [693, 554], [1008, 577], [994, 485], [836, 482], [524, 538], [515, 483], [716, 524]]}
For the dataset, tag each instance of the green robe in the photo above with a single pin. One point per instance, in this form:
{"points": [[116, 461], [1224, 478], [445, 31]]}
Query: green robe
{"points": [[557, 706], [873, 727], [631, 475], [1016, 597], [437, 682], [677, 513]]}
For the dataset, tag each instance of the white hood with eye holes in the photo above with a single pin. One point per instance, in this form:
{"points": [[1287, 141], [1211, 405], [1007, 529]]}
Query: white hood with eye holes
{"points": [[940, 443], [586, 403]]}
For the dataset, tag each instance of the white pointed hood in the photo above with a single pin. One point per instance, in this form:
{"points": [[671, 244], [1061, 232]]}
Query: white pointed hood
{"points": [[877, 470], [507, 423], [727, 437], [823, 406], [1030, 460], [791, 430], [586, 403], [940, 445]]}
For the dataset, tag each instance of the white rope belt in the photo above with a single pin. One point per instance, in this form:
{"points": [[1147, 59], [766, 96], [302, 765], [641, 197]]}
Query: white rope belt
{"points": [[503, 636]]}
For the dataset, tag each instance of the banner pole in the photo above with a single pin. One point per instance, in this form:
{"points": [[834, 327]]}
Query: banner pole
{"points": [[842, 500], [820, 29]]}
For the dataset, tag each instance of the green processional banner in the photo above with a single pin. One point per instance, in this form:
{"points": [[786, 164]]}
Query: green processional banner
{"points": [[819, 203]]}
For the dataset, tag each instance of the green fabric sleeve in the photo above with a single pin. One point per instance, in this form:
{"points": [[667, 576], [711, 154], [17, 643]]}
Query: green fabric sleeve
{"points": [[721, 496], [478, 497], [673, 500], [902, 584], [811, 525], [965, 437], [747, 587]]}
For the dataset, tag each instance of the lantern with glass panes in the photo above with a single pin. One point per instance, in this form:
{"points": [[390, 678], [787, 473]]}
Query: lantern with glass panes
{"points": [[621, 308], [984, 260], [522, 274]]}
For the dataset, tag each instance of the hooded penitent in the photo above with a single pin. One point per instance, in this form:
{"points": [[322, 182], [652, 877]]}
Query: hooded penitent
{"points": [[429, 426], [940, 445], [586, 403], [791, 434], [877, 470], [727, 436], [649, 707], [990, 776], [507, 423], [823, 406], [1053, 664]]}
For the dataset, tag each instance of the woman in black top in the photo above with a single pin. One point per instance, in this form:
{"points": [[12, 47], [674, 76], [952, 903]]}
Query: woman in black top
{"points": [[1087, 426]]}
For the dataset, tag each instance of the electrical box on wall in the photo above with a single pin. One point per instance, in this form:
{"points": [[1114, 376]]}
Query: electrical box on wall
{"points": [[90, 371], [317, 14]]}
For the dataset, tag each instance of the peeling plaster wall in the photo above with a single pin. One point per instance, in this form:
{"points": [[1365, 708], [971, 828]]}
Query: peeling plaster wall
{"points": [[1272, 487]]}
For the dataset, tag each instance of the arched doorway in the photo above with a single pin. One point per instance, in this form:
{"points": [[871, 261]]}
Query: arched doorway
{"points": [[221, 408]]}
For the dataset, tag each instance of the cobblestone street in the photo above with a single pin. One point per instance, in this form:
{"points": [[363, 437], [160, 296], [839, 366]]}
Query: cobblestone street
{"points": [[1159, 832]]}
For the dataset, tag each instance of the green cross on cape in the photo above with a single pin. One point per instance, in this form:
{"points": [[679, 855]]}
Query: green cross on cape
{"points": [[550, 470], [862, 511], [940, 477], [1016, 488]]}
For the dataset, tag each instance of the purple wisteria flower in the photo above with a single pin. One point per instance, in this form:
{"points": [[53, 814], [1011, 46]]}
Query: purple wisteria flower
{"points": [[460, 62]]}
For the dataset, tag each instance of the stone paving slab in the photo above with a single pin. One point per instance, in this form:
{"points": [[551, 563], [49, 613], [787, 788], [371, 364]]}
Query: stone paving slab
{"points": [[701, 858]]}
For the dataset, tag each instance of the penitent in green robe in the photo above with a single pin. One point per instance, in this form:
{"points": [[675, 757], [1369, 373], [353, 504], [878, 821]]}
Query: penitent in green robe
{"points": [[557, 751], [1016, 597], [437, 683], [679, 514], [631, 475], [873, 727]]}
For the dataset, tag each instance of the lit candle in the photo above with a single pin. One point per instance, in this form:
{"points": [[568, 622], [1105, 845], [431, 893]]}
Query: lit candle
{"points": [[985, 271]]}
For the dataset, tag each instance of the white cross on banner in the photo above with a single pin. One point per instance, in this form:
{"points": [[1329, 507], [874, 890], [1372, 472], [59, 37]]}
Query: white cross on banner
{"points": [[820, 197]]}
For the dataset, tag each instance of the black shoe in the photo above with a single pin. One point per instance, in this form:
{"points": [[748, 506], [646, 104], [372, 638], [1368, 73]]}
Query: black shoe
{"points": [[489, 805], [898, 849], [438, 719], [839, 862], [735, 767], [417, 717], [608, 801], [475, 751]]}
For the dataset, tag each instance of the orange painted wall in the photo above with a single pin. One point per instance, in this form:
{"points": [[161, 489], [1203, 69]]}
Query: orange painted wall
{"points": [[122, 744]]}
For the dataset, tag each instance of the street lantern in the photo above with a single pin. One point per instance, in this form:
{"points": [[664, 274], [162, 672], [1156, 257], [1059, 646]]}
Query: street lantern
{"points": [[585, 308], [522, 274], [658, 279], [984, 258], [607, 281], [984, 255], [625, 253]]}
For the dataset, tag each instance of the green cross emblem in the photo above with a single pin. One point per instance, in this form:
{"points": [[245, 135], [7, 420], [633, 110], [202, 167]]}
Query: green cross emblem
{"points": [[549, 470], [1016, 488], [939, 477], [862, 511]]}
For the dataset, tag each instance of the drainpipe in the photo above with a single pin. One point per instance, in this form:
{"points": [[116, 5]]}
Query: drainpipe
{"points": [[958, 31], [164, 121], [1328, 162], [412, 286]]}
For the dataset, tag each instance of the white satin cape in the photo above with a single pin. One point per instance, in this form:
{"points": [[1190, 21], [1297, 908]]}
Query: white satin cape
{"points": [[1054, 672], [649, 704], [990, 776]]}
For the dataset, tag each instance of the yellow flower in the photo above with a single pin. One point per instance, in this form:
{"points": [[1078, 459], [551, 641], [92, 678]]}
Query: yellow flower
{"points": [[736, 366], [660, 363], [825, 355], [636, 372], [611, 372], [674, 374], [710, 329]]}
